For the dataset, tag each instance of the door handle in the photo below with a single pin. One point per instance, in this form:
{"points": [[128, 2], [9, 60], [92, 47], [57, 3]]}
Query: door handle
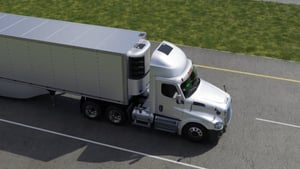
{"points": [[160, 108]]}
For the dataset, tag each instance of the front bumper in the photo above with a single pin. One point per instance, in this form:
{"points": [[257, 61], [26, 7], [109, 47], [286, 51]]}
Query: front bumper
{"points": [[228, 114], [215, 135]]}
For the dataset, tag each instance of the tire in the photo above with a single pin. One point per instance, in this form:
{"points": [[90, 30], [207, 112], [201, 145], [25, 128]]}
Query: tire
{"points": [[195, 132], [91, 110], [115, 115]]}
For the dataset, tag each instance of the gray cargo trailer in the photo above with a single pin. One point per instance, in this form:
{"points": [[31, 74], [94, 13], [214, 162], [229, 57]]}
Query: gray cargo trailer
{"points": [[82, 59]]}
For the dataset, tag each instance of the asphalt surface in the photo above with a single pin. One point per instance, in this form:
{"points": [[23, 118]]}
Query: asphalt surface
{"points": [[297, 2], [249, 143]]}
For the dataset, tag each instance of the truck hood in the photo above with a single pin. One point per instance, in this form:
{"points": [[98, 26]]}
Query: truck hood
{"points": [[210, 95]]}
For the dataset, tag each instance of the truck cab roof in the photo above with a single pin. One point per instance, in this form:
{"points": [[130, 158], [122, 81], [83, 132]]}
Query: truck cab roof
{"points": [[169, 60]]}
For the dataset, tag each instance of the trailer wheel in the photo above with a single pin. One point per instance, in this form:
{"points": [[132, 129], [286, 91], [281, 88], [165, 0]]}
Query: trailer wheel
{"points": [[91, 109], [115, 115], [195, 132]]}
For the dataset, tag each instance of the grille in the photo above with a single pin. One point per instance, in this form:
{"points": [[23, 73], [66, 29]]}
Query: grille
{"points": [[136, 68]]}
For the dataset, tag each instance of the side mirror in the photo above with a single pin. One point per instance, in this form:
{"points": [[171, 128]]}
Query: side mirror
{"points": [[179, 99]]}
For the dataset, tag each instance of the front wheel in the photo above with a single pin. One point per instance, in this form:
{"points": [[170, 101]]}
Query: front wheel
{"points": [[195, 132], [115, 115]]}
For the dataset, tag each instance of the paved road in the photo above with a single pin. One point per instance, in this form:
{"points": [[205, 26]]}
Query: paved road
{"points": [[285, 1], [249, 142]]}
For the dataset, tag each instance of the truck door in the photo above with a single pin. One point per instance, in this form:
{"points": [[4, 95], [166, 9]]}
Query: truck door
{"points": [[166, 104]]}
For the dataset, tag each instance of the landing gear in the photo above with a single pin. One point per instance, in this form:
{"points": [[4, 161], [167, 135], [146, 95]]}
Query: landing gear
{"points": [[52, 94]]}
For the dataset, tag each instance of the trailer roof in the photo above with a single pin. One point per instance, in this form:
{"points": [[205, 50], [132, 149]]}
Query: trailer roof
{"points": [[69, 33]]}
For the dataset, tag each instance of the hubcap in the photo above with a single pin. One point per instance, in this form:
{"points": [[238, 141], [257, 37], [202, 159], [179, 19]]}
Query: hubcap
{"points": [[91, 111], [115, 116], [195, 132]]}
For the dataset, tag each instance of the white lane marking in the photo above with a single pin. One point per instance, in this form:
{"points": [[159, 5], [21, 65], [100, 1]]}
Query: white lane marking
{"points": [[101, 144], [276, 122]]}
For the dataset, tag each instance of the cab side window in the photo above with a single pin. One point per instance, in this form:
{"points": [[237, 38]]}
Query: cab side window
{"points": [[168, 90]]}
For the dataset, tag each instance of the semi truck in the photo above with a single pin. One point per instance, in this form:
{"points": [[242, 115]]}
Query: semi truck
{"points": [[113, 72]]}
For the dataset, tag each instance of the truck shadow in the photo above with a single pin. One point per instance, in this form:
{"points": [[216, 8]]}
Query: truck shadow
{"points": [[65, 118]]}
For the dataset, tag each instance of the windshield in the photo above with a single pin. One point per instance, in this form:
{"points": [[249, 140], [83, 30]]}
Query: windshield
{"points": [[189, 86]]}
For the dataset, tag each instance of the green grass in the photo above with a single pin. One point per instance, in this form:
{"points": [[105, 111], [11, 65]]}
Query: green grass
{"points": [[240, 26]]}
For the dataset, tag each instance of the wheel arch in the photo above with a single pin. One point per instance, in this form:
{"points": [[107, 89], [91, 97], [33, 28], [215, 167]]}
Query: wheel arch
{"points": [[182, 128], [206, 123]]}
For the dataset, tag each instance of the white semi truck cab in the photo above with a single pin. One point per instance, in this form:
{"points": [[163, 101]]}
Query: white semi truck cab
{"points": [[114, 73], [176, 100]]}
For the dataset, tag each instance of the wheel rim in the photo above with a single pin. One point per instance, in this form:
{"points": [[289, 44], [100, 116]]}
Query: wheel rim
{"points": [[91, 111], [115, 116], [195, 133]]}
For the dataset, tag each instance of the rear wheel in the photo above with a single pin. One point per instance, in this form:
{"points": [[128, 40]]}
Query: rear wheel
{"points": [[91, 109], [195, 132], [115, 115]]}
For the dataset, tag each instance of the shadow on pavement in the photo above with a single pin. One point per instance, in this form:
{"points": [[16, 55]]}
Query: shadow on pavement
{"points": [[66, 118]]}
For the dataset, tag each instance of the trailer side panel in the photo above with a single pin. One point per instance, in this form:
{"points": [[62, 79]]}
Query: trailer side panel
{"points": [[81, 71], [82, 59]]}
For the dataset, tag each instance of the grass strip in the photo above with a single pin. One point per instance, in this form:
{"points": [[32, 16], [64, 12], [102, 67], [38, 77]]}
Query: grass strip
{"points": [[239, 26]]}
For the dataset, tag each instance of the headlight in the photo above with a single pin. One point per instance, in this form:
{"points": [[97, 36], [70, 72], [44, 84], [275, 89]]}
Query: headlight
{"points": [[219, 125]]}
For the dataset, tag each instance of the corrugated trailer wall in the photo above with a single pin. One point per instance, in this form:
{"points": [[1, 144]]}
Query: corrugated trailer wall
{"points": [[76, 70]]}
